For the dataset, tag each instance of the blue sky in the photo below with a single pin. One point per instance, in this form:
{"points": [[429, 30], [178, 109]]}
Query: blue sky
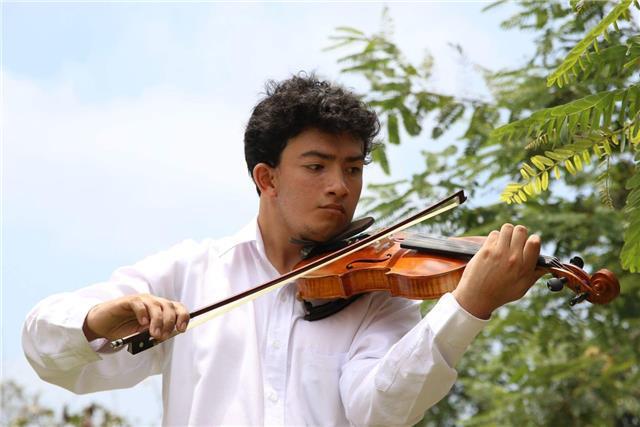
{"points": [[123, 122]]}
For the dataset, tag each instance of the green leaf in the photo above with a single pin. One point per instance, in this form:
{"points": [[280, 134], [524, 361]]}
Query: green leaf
{"points": [[392, 129], [531, 171], [522, 196], [573, 121], [400, 87], [630, 254], [537, 163], [584, 120], [410, 122], [589, 108], [597, 151], [578, 162], [550, 126], [569, 166], [379, 156], [350, 30], [546, 161], [608, 110], [623, 108], [537, 185], [528, 188], [590, 38], [555, 156], [595, 118], [388, 103], [436, 132]]}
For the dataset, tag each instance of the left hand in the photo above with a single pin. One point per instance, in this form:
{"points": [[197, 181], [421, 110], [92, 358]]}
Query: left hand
{"points": [[502, 271]]}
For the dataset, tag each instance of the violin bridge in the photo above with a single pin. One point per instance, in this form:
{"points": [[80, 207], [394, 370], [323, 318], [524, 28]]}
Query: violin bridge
{"points": [[383, 244]]}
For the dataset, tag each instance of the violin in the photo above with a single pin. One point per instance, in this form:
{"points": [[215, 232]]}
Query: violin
{"points": [[419, 266], [409, 265]]}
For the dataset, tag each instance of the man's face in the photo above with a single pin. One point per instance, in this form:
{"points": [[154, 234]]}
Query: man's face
{"points": [[318, 183]]}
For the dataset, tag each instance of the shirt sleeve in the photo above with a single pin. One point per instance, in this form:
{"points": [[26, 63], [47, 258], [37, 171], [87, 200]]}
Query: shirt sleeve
{"points": [[57, 349], [397, 369]]}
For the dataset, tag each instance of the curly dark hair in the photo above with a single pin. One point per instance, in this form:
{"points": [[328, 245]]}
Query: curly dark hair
{"points": [[299, 103]]}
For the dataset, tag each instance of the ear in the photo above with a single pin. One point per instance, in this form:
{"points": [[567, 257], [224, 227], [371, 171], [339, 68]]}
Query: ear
{"points": [[264, 178]]}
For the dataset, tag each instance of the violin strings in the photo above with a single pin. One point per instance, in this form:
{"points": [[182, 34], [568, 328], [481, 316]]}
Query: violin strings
{"points": [[443, 243], [459, 246]]}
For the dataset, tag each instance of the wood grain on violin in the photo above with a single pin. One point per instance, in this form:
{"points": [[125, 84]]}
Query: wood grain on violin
{"points": [[418, 266]]}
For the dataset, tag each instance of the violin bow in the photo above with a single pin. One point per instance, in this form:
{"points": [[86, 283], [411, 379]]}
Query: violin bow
{"points": [[141, 341]]}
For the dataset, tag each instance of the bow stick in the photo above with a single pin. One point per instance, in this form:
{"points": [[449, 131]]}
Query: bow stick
{"points": [[141, 341]]}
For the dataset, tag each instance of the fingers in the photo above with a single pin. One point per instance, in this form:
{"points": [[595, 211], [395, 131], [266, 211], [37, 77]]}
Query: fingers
{"points": [[518, 238], [504, 240], [154, 309], [531, 252], [164, 315], [515, 248], [182, 317], [492, 239], [511, 239], [168, 318], [140, 310]]}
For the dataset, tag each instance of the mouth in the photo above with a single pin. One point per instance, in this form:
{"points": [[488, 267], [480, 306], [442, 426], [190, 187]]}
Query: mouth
{"points": [[333, 207]]}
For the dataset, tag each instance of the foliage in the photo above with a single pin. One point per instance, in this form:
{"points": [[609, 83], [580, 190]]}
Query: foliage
{"points": [[561, 75], [574, 127], [579, 129], [577, 134], [632, 212], [22, 409], [564, 129]]}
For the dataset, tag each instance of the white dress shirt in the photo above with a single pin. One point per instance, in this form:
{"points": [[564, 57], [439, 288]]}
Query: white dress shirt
{"points": [[373, 363]]}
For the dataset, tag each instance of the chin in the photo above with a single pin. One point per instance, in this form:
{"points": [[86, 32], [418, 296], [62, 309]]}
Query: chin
{"points": [[324, 234]]}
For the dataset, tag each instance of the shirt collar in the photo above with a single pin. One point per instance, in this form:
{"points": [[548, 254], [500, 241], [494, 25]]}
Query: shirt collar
{"points": [[250, 234]]}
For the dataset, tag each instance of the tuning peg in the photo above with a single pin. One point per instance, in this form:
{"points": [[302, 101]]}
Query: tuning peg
{"points": [[577, 261], [556, 284], [578, 298]]}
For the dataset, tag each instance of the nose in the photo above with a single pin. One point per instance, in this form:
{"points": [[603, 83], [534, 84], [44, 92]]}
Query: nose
{"points": [[338, 185]]}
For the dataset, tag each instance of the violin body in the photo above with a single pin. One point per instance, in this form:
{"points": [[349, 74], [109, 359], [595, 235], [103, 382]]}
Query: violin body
{"points": [[429, 273], [385, 266]]}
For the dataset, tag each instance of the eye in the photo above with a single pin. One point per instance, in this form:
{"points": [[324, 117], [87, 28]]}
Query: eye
{"points": [[354, 170], [314, 167]]}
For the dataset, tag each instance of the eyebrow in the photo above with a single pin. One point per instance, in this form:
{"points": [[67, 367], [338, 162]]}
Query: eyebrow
{"points": [[325, 156]]}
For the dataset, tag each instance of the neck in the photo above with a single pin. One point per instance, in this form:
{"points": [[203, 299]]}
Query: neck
{"points": [[282, 254]]}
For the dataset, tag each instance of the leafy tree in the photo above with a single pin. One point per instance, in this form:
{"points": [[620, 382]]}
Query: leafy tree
{"points": [[20, 408], [564, 130]]}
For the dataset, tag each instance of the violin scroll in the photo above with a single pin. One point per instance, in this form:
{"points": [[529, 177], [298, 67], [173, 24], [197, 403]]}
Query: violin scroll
{"points": [[600, 288]]}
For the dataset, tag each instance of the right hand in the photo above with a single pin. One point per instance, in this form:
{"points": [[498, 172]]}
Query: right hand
{"points": [[135, 313]]}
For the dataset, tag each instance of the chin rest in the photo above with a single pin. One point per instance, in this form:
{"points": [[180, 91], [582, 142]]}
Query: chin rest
{"points": [[312, 248]]}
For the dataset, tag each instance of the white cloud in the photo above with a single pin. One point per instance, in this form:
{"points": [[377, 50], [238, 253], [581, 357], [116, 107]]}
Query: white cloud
{"points": [[138, 163]]}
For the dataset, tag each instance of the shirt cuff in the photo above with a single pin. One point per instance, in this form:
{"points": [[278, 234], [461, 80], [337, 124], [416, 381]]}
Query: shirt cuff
{"points": [[77, 350], [454, 328], [99, 345]]}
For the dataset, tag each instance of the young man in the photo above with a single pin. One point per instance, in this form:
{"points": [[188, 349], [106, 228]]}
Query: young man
{"points": [[373, 363]]}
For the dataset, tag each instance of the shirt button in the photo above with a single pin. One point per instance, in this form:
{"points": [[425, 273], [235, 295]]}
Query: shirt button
{"points": [[283, 297], [275, 344], [273, 396]]}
